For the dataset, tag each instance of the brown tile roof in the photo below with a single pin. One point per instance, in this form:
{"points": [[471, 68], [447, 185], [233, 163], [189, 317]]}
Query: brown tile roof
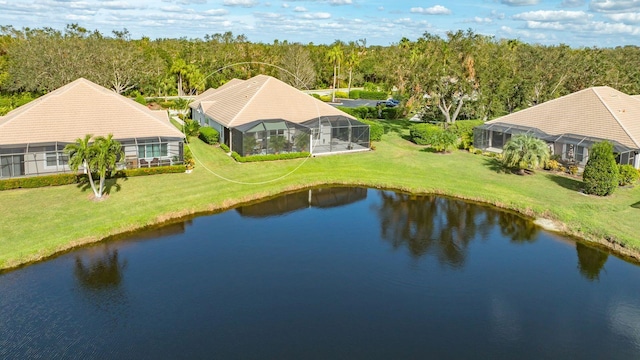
{"points": [[207, 94], [79, 108], [599, 112], [264, 97]]}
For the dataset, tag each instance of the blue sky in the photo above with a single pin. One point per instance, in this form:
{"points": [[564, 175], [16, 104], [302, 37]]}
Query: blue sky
{"points": [[601, 23]]}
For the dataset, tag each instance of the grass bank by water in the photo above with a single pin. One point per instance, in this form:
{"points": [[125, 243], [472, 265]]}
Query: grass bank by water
{"points": [[37, 223]]}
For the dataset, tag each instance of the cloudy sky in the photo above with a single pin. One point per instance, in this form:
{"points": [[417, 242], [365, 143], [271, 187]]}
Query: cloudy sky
{"points": [[601, 23]]}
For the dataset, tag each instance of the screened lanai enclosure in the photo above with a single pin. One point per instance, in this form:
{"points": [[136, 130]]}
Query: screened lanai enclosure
{"points": [[324, 135], [572, 148], [22, 160]]}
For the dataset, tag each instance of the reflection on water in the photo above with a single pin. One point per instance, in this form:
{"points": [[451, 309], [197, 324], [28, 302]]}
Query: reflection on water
{"points": [[590, 261], [319, 198], [444, 227], [101, 273], [265, 291]]}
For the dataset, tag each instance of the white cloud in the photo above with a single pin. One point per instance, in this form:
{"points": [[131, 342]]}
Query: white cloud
{"points": [[340, 2], [300, 9], [553, 16], [627, 18], [241, 3], [520, 2], [614, 5], [434, 10], [316, 16], [285, 5], [216, 12]]}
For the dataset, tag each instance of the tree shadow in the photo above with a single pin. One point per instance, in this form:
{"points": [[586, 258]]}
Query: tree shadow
{"points": [[109, 184], [495, 165], [430, 150], [636, 205], [566, 182], [399, 126]]}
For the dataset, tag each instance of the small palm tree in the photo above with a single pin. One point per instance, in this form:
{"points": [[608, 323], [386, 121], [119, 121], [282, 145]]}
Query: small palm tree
{"points": [[524, 152], [334, 56], [98, 156], [80, 153], [107, 152]]}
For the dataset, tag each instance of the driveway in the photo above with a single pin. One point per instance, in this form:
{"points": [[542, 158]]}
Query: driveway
{"points": [[354, 103]]}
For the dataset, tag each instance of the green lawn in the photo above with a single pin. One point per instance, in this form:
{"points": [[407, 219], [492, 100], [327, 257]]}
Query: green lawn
{"points": [[36, 223]]}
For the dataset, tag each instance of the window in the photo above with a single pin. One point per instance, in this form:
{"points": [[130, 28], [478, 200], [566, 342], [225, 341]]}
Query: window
{"points": [[55, 159], [152, 150], [11, 165], [581, 154]]}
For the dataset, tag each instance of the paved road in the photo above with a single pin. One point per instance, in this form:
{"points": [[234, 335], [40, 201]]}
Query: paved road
{"points": [[354, 103]]}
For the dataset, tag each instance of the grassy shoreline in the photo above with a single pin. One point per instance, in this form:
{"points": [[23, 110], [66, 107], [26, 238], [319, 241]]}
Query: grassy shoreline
{"points": [[32, 231]]}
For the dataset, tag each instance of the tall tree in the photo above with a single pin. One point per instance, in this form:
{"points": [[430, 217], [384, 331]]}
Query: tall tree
{"points": [[297, 67], [334, 56]]}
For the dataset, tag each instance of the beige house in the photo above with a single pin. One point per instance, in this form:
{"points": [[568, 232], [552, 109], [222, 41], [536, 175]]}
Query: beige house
{"points": [[33, 136], [263, 115], [572, 124]]}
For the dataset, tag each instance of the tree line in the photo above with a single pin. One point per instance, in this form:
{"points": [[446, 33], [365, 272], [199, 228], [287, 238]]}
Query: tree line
{"points": [[461, 75]]}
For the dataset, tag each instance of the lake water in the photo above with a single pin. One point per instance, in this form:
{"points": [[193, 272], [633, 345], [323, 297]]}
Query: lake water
{"points": [[338, 273]]}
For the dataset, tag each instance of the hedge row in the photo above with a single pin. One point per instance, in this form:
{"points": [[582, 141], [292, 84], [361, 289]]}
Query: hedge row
{"points": [[269, 157], [224, 147], [69, 178], [40, 181], [369, 95], [361, 112], [376, 130], [209, 135], [172, 169]]}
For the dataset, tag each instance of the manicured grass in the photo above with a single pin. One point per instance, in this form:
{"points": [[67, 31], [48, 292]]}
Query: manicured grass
{"points": [[36, 223]]}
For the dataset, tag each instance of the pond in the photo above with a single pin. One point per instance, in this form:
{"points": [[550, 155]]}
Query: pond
{"points": [[328, 273]]}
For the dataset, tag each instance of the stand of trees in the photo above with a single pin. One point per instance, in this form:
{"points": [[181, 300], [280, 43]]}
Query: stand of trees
{"points": [[461, 75]]}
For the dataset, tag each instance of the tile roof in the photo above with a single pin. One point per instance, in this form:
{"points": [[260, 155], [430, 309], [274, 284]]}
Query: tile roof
{"points": [[264, 97], [79, 108], [599, 112], [207, 94]]}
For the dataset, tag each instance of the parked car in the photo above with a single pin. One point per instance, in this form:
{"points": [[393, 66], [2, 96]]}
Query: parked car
{"points": [[388, 103]]}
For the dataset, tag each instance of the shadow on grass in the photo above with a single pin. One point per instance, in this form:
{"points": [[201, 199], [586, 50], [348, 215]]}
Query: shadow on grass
{"points": [[566, 182], [399, 126], [109, 185], [495, 165], [431, 150], [636, 205]]}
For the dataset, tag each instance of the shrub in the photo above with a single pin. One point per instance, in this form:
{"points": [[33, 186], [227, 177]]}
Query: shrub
{"points": [[172, 169], [369, 95], [376, 130], [342, 95], [464, 130], [325, 98], [391, 113], [316, 96], [361, 112], [269, 157], [444, 141], [424, 134], [141, 100], [224, 147], [600, 175], [573, 169], [209, 135], [40, 181], [552, 165], [189, 161], [191, 128], [628, 175]]}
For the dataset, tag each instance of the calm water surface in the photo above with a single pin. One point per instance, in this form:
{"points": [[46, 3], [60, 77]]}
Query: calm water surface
{"points": [[328, 274]]}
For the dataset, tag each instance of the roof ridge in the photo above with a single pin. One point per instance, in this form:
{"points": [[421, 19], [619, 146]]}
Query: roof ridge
{"points": [[624, 128], [250, 100]]}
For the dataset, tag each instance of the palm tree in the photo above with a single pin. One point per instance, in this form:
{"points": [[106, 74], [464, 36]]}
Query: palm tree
{"points": [[106, 154], [80, 153], [334, 56], [525, 152], [352, 61], [100, 156]]}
